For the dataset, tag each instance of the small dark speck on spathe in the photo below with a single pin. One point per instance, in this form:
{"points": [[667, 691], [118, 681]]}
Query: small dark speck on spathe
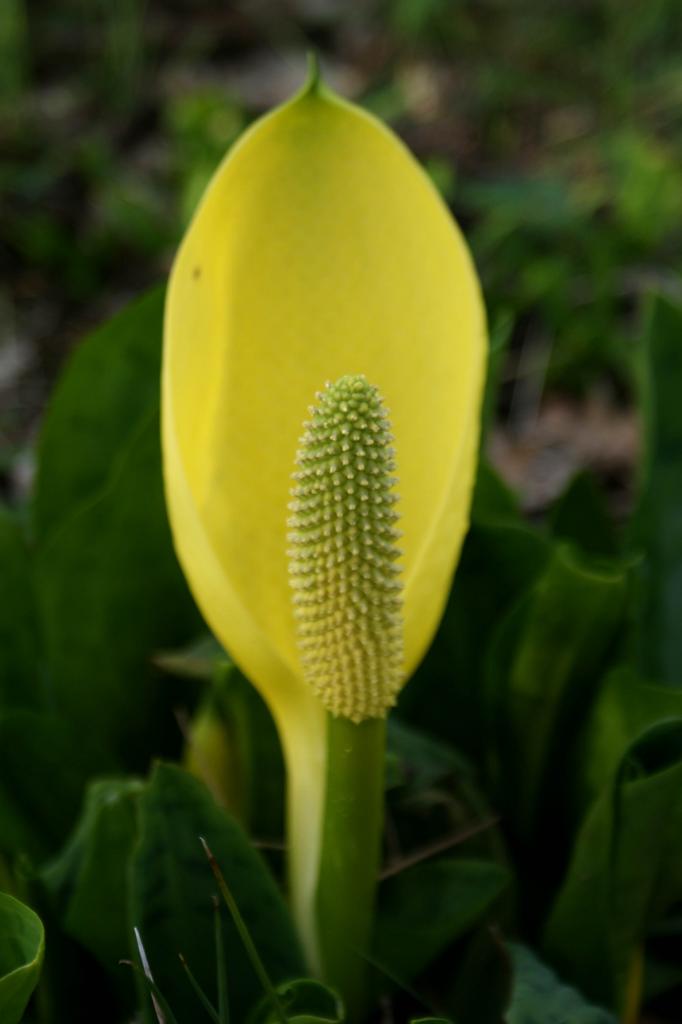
{"points": [[196, 273]]}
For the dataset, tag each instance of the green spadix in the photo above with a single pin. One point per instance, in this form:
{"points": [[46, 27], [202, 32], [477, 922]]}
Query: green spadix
{"points": [[343, 555]]}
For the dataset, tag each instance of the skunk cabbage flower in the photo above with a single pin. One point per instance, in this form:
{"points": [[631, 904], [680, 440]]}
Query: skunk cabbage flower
{"points": [[320, 249]]}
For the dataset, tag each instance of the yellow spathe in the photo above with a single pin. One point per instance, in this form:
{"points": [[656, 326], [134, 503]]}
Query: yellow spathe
{"points": [[319, 249]]}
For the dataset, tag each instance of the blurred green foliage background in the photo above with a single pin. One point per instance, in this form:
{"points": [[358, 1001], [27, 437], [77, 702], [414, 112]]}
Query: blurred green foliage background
{"points": [[553, 129]]}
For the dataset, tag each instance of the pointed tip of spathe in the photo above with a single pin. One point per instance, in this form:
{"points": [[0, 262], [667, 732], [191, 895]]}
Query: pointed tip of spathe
{"points": [[315, 86], [313, 83], [314, 78]]}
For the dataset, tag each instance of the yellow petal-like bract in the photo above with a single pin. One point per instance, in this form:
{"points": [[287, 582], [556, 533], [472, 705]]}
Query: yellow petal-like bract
{"points": [[319, 249]]}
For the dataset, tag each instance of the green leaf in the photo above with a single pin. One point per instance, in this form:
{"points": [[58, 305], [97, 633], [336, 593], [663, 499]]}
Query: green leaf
{"points": [[493, 502], [538, 997], [542, 672], [99, 515], [109, 388], [22, 945], [105, 617], [581, 516], [501, 559], [425, 908], [88, 880], [44, 763], [479, 986], [625, 708], [434, 800], [657, 524], [20, 633], [625, 874], [173, 891], [304, 1001], [417, 760]]}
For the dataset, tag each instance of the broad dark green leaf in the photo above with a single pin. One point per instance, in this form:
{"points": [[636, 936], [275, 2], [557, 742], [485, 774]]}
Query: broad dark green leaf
{"points": [[22, 946], [44, 764], [173, 891], [418, 761], [434, 801], [625, 708], [479, 985], [542, 675], [88, 881], [304, 1001], [538, 997], [20, 633], [500, 560], [657, 525], [581, 516], [110, 386], [111, 594], [625, 874], [108, 585], [493, 501], [425, 908]]}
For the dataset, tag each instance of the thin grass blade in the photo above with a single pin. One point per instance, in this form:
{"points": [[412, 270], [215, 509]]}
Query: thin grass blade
{"points": [[164, 1014], [201, 995], [223, 1005], [244, 934]]}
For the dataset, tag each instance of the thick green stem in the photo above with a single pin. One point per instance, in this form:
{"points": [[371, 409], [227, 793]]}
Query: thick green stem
{"points": [[349, 859]]}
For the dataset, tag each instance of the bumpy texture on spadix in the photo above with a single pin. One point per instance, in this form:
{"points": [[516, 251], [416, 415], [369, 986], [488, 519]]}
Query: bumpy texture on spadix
{"points": [[343, 554]]}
